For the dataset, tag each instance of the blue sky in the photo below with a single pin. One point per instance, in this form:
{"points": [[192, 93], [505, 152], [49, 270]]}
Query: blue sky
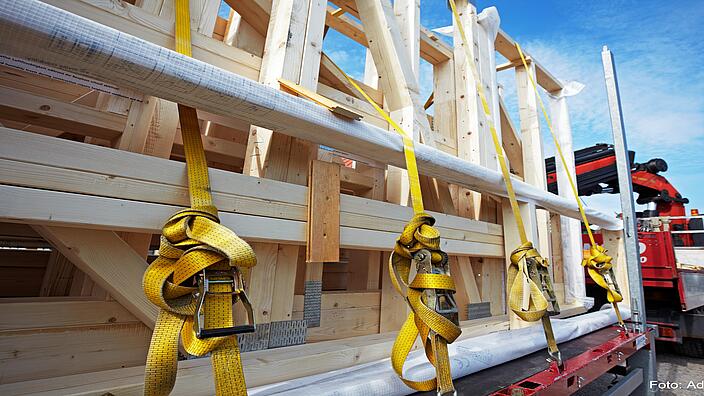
{"points": [[658, 51]]}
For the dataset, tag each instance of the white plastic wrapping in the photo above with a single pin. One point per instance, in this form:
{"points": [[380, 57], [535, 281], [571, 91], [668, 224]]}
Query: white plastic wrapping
{"points": [[571, 229], [466, 357], [42, 33]]}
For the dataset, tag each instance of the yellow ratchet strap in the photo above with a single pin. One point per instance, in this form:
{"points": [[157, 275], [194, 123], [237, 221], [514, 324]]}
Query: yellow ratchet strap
{"points": [[528, 271], [598, 263], [430, 295], [196, 248]]}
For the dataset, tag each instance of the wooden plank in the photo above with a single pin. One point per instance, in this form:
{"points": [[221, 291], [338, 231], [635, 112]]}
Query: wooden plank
{"points": [[343, 315], [115, 214], [136, 177], [50, 313], [31, 109], [48, 87], [29, 355], [323, 242], [355, 212], [206, 15], [261, 367], [343, 323], [109, 261], [341, 300]]}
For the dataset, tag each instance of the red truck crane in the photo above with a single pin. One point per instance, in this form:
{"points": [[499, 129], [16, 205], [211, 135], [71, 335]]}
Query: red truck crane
{"points": [[671, 244]]}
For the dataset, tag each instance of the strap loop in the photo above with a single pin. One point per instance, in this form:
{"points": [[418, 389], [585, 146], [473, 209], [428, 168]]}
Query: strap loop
{"points": [[429, 294]]}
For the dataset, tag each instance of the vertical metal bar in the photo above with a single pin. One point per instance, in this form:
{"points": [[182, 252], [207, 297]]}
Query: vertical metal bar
{"points": [[644, 359], [623, 165]]}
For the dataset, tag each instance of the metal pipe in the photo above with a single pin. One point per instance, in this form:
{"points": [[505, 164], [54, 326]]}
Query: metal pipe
{"points": [[39, 32]]}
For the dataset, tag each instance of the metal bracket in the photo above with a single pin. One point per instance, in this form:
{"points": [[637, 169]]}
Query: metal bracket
{"points": [[311, 303], [479, 310], [287, 332], [255, 341]]}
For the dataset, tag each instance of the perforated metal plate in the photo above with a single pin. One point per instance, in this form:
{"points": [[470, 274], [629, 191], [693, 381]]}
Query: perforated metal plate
{"points": [[255, 341], [479, 310], [287, 332], [311, 303]]}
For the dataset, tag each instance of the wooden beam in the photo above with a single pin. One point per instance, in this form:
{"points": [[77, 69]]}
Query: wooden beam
{"points": [[255, 12], [506, 46], [44, 313], [330, 70], [432, 49], [533, 154], [109, 261], [71, 164], [23, 107], [31, 355]]}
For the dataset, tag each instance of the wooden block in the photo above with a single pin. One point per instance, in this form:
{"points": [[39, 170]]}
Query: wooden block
{"points": [[323, 242]]}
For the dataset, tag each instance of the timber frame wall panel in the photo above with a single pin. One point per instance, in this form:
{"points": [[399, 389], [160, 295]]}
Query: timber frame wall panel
{"points": [[97, 207]]}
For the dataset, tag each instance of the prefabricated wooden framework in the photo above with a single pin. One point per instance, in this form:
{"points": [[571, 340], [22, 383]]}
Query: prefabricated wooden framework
{"points": [[80, 217]]}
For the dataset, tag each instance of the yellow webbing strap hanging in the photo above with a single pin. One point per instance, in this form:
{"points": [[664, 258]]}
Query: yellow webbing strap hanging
{"points": [[528, 269], [435, 330], [598, 263], [192, 242]]}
